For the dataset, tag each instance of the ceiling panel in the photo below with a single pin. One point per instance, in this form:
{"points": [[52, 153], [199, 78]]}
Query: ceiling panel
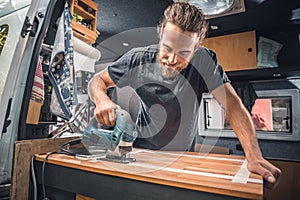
{"points": [[134, 22]]}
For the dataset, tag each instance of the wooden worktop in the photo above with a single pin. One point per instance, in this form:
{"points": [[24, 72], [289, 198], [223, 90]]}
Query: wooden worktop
{"points": [[213, 173]]}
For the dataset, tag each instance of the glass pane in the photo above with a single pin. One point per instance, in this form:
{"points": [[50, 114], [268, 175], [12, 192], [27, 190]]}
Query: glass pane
{"points": [[9, 6], [272, 114], [214, 114], [3, 36]]}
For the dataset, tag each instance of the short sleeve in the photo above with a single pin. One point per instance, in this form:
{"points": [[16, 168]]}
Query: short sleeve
{"points": [[118, 69], [205, 61]]}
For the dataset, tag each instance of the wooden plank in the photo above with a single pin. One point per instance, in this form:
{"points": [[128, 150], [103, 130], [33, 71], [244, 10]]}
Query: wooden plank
{"points": [[174, 169], [85, 14], [91, 4], [81, 197], [211, 149], [20, 171], [82, 29], [23, 150], [84, 33], [234, 51], [84, 38]]}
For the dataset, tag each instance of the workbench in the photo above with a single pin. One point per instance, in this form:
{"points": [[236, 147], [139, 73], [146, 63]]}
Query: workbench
{"points": [[154, 175]]}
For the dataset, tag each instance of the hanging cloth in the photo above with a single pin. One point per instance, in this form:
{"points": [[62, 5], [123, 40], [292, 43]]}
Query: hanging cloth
{"points": [[37, 93], [61, 70]]}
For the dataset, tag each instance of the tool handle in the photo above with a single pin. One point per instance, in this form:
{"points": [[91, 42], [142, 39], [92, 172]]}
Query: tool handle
{"points": [[122, 116], [93, 123]]}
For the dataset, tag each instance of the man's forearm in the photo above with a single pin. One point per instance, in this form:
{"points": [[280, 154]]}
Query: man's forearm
{"points": [[239, 119], [241, 123], [97, 89], [105, 109]]}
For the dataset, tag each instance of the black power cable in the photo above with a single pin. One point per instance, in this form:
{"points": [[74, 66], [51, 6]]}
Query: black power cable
{"points": [[62, 151], [43, 175], [68, 144]]}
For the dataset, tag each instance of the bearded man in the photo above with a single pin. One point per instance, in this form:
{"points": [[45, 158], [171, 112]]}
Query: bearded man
{"points": [[169, 79]]}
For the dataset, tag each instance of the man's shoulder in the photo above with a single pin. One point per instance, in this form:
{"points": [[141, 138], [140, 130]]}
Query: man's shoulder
{"points": [[150, 49], [204, 57], [205, 51], [146, 54]]}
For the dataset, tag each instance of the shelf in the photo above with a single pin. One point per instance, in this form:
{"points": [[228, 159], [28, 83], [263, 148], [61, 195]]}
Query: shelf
{"points": [[91, 4], [84, 28], [265, 74], [83, 33], [86, 15]]}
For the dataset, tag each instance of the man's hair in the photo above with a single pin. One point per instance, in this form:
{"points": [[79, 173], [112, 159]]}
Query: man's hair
{"points": [[185, 16]]}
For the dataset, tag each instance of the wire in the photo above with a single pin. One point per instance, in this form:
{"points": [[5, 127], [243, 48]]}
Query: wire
{"points": [[33, 178], [62, 151], [71, 142], [68, 144], [43, 175]]}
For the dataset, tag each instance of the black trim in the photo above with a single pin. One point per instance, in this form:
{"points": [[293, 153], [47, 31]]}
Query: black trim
{"points": [[34, 59], [63, 183], [264, 74]]}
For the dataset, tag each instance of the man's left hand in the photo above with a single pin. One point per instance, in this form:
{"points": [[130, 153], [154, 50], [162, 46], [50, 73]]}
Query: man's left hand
{"points": [[269, 172]]}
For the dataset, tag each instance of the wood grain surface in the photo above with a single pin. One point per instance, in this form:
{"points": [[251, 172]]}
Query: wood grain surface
{"points": [[234, 51], [23, 150], [211, 173]]}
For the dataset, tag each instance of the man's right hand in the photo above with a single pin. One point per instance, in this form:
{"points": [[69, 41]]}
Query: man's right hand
{"points": [[105, 113]]}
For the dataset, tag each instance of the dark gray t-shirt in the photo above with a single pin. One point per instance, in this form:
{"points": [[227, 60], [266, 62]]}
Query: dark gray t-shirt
{"points": [[168, 115]]}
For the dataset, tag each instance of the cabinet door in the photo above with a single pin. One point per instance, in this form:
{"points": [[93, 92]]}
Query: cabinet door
{"points": [[234, 51], [289, 185]]}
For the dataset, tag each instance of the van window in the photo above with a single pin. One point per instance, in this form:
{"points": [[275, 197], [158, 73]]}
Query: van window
{"points": [[10, 6], [10, 29], [3, 35]]}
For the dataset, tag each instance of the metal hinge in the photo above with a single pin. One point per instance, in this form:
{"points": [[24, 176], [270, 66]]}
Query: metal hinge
{"points": [[28, 27]]}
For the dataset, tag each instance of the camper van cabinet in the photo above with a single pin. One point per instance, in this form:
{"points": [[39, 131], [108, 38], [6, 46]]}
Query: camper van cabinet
{"points": [[84, 20], [234, 51]]}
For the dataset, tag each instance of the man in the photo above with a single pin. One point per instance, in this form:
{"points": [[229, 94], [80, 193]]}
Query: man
{"points": [[169, 80]]}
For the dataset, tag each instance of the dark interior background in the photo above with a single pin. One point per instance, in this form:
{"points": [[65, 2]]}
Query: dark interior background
{"points": [[126, 21], [134, 22]]}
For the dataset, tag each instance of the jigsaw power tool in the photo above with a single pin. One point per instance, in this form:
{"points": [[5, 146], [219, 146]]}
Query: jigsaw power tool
{"points": [[112, 145]]}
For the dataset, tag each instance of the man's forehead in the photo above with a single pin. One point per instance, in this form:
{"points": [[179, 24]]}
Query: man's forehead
{"points": [[178, 38], [174, 35]]}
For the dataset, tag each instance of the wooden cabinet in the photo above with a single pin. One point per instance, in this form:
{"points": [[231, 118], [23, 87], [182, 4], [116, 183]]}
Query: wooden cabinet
{"points": [[289, 185], [234, 51], [84, 20]]}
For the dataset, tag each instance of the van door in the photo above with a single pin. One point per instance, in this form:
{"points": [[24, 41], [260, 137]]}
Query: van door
{"points": [[22, 23]]}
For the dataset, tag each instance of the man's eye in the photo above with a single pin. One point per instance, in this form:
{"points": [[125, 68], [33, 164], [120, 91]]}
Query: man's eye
{"points": [[184, 54], [167, 49]]}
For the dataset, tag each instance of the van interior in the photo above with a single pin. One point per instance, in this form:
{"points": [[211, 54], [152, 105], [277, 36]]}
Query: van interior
{"points": [[106, 29]]}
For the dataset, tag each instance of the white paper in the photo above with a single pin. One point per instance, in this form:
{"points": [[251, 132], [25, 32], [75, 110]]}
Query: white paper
{"points": [[267, 53]]}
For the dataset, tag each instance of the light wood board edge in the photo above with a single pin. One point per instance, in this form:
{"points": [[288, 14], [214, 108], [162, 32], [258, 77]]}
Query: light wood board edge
{"points": [[23, 150]]}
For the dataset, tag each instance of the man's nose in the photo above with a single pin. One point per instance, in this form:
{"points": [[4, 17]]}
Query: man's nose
{"points": [[172, 58]]}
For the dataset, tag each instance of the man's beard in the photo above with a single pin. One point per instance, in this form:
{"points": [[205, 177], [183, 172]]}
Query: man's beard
{"points": [[168, 72]]}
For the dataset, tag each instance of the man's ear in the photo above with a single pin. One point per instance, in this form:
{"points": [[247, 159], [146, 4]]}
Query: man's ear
{"points": [[159, 30], [198, 45]]}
